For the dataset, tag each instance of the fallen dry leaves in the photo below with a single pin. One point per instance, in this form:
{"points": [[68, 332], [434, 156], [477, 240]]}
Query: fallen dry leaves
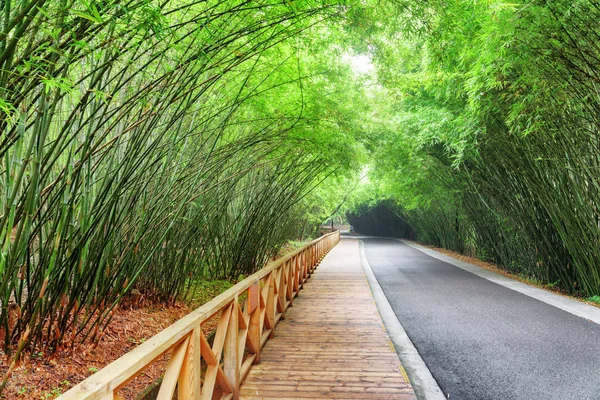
{"points": [[40, 377]]}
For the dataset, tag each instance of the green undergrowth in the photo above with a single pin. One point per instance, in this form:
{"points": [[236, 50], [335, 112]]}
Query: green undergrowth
{"points": [[202, 292], [594, 299], [296, 244]]}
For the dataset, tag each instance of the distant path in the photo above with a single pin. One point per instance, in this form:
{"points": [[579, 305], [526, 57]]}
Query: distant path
{"points": [[481, 340]]}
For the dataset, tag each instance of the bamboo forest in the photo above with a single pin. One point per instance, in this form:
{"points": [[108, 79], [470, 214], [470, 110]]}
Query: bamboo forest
{"points": [[150, 148]]}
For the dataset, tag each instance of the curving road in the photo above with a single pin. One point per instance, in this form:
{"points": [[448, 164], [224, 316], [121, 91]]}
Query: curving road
{"points": [[481, 340]]}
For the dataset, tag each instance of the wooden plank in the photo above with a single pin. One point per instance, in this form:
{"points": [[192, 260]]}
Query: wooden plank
{"points": [[289, 295], [297, 273], [223, 382], [210, 381], [253, 336], [270, 302], [278, 317]]}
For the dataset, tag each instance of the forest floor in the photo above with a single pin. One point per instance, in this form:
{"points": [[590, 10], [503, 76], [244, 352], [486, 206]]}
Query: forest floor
{"points": [[495, 268], [45, 377]]}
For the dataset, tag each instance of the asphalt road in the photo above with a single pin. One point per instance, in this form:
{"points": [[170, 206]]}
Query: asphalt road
{"points": [[481, 340]]}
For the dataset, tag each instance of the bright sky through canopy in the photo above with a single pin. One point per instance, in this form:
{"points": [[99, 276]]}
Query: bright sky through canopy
{"points": [[361, 63]]}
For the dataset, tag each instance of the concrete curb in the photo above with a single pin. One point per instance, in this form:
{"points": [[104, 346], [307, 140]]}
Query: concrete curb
{"points": [[571, 306], [424, 384]]}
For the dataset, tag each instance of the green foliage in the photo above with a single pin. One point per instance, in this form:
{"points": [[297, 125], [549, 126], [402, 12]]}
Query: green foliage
{"points": [[594, 299], [489, 139], [203, 291], [153, 145], [158, 146]]}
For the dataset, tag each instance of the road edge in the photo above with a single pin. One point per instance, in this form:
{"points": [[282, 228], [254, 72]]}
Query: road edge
{"points": [[571, 306], [423, 383]]}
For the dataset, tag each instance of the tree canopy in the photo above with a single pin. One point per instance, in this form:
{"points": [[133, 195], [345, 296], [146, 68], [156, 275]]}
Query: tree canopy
{"points": [[148, 145], [489, 144]]}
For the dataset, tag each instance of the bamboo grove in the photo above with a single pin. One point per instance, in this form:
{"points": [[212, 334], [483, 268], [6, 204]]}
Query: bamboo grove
{"points": [[148, 145], [491, 146]]}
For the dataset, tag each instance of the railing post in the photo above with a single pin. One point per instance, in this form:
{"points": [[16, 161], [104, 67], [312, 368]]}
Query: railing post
{"points": [[307, 262], [188, 386], [318, 253], [271, 303], [254, 329], [289, 293], [301, 265], [282, 288], [297, 273], [230, 351]]}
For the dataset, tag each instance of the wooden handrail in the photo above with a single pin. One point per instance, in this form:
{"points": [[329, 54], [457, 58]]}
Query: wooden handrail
{"points": [[240, 334]]}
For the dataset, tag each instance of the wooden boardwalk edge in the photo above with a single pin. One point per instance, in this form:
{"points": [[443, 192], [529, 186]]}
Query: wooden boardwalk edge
{"points": [[332, 343]]}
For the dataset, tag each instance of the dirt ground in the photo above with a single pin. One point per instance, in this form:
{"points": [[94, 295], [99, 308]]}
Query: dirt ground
{"points": [[45, 377]]}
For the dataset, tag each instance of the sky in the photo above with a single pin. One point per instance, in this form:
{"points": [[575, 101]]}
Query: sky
{"points": [[360, 63]]}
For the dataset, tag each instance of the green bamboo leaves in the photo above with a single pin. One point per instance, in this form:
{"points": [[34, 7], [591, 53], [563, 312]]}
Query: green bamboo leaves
{"points": [[148, 145], [492, 143]]}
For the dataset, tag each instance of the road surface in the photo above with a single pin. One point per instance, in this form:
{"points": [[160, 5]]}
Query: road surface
{"points": [[481, 340]]}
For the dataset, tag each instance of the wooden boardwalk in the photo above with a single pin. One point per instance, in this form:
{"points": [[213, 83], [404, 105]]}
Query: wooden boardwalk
{"points": [[332, 344]]}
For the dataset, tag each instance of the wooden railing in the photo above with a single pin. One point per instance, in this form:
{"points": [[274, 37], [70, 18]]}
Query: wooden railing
{"points": [[198, 369]]}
